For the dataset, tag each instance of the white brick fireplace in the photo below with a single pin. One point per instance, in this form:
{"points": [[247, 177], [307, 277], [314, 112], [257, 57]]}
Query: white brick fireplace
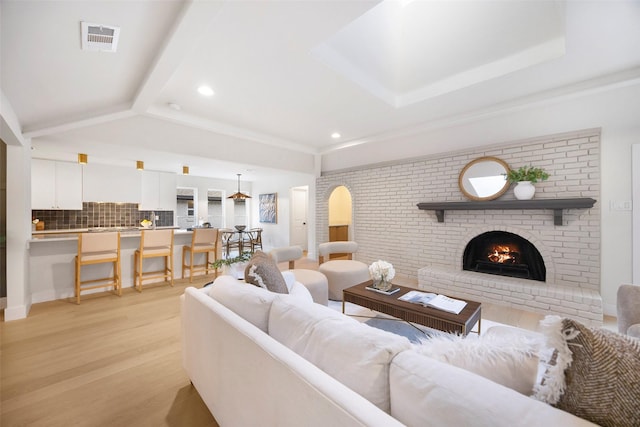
{"points": [[388, 225]]}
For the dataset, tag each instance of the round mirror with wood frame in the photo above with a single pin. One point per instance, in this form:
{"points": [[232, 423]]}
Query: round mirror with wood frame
{"points": [[484, 178]]}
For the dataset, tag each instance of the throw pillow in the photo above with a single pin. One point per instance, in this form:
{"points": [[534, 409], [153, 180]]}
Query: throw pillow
{"points": [[601, 373], [263, 271], [506, 356]]}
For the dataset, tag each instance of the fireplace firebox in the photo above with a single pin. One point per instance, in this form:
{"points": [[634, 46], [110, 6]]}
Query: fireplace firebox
{"points": [[505, 254]]}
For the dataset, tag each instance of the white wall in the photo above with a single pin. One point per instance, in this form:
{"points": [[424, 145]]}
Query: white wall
{"points": [[278, 235], [614, 111], [18, 213], [202, 184]]}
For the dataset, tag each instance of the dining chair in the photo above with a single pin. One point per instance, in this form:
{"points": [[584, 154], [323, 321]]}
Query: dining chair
{"points": [[153, 244], [255, 239], [230, 240], [97, 248], [203, 241]]}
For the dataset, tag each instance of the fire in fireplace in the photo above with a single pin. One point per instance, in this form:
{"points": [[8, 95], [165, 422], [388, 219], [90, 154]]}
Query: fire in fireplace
{"points": [[505, 254]]}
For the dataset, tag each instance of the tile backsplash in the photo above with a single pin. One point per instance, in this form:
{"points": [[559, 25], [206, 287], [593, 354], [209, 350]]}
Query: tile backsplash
{"points": [[95, 214]]}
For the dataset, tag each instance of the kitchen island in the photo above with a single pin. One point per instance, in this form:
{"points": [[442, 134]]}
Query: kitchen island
{"points": [[52, 253]]}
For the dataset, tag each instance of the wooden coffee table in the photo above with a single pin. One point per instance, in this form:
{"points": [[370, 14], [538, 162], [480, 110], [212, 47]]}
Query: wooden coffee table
{"points": [[415, 313]]}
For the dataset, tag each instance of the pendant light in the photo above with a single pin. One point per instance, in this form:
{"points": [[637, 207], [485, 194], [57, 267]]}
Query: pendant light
{"points": [[239, 195]]}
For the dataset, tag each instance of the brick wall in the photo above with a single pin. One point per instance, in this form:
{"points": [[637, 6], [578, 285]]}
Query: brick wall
{"points": [[388, 225]]}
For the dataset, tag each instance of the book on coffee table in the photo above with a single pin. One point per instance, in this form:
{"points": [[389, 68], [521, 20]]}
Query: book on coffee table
{"points": [[389, 292], [440, 302]]}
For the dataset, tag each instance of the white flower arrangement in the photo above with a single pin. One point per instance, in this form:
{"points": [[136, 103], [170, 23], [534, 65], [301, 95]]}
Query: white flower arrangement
{"points": [[382, 271], [35, 221]]}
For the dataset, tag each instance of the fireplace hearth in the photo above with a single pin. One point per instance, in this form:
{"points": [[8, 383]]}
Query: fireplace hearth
{"points": [[504, 254]]}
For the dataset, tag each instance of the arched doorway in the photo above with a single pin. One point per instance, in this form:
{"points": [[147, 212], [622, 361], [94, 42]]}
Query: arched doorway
{"points": [[340, 215]]}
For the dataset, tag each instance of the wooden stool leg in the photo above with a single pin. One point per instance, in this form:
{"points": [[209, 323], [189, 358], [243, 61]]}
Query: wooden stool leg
{"points": [[170, 263], [77, 280], [191, 255], [119, 278], [184, 254], [138, 272]]}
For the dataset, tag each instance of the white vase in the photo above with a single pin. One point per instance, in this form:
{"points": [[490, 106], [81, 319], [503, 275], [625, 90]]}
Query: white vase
{"points": [[524, 190]]}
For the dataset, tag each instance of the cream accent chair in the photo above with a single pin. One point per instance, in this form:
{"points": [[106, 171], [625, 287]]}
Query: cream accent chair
{"points": [[315, 282], [153, 244], [203, 241], [628, 310], [97, 248], [341, 273]]}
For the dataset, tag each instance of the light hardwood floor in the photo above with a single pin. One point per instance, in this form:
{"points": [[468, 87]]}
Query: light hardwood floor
{"points": [[108, 362], [116, 361]]}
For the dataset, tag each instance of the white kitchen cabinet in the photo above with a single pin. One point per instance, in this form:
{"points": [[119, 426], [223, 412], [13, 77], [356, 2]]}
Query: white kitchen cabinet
{"points": [[56, 185], [109, 183], [158, 191]]}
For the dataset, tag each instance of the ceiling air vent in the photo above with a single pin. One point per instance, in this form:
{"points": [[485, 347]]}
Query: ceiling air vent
{"points": [[98, 37]]}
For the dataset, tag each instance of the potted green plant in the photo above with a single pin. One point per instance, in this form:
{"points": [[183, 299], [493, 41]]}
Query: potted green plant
{"points": [[233, 266], [524, 177]]}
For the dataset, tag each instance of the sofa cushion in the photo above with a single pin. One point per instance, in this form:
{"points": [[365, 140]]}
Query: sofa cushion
{"points": [[427, 392], [355, 354], [289, 279], [262, 271], [504, 355], [250, 302], [595, 373]]}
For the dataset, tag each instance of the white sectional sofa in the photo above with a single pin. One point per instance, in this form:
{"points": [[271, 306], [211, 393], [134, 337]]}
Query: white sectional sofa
{"points": [[260, 358]]}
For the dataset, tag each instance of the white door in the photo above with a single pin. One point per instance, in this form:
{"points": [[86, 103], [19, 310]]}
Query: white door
{"points": [[299, 202]]}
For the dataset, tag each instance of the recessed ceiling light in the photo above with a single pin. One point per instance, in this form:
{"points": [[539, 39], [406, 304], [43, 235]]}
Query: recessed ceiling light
{"points": [[335, 135], [205, 90]]}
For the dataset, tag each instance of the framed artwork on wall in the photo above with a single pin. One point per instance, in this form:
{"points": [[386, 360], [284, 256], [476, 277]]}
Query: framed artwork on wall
{"points": [[268, 208]]}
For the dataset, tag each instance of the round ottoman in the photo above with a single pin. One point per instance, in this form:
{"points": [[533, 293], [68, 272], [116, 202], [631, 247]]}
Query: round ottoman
{"points": [[315, 282], [342, 274]]}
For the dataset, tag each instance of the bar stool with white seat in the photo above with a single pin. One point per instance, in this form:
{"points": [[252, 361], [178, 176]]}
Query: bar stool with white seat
{"points": [[203, 241], [98, 248], [153, 244]]}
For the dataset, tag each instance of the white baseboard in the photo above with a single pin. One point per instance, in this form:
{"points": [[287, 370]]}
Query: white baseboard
{"points": [[16, 313]]}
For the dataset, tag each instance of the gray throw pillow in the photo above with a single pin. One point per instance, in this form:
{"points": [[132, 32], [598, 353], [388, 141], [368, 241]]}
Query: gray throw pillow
{"points": [[263, 271]]}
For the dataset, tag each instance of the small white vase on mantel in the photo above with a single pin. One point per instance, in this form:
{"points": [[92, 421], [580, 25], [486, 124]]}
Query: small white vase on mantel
{"points": [[524, 190]]}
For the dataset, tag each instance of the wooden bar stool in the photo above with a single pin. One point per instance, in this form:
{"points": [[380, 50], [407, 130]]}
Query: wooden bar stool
{"points": [[203, 241], [98, 248], [153, 244]]}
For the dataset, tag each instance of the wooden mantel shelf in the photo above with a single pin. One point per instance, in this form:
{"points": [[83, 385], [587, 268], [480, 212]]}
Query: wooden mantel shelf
{"points": [[556, 204]]}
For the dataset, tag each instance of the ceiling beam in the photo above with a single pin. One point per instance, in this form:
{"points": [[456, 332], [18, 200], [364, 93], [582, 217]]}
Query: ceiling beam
{"points": [[196, 16]]}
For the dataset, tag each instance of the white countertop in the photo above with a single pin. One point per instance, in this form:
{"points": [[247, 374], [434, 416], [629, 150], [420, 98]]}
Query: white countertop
{"points": [[72, 234]]}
